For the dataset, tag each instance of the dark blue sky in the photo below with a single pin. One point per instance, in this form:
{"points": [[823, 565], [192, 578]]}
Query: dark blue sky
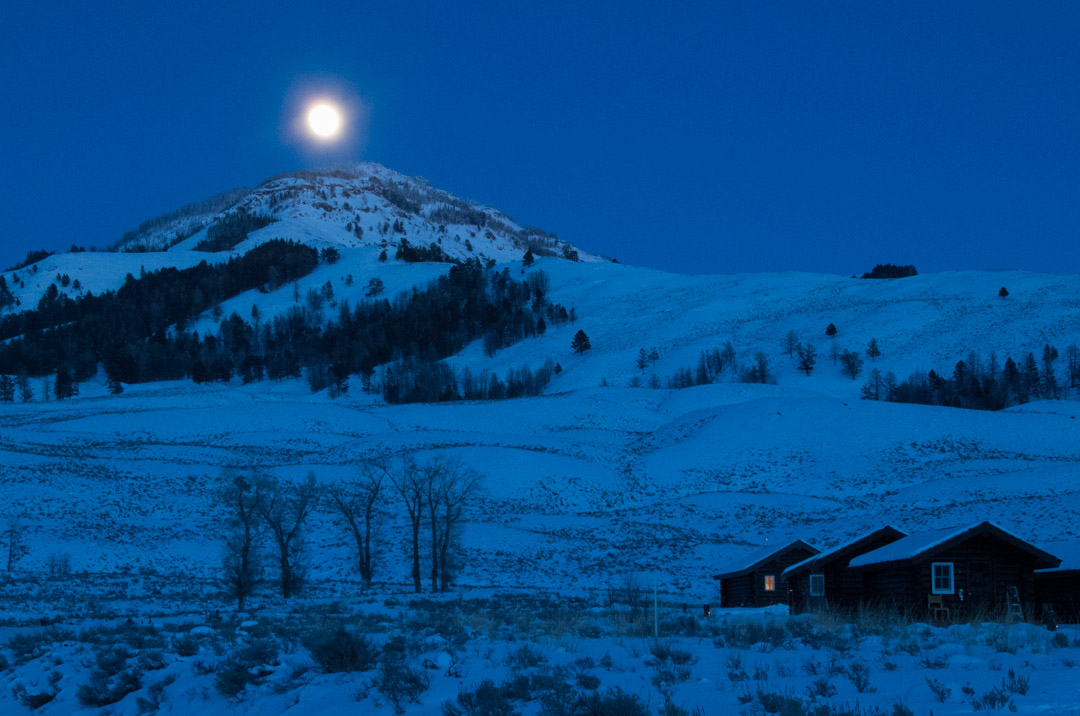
{"points": [[696, 137]]}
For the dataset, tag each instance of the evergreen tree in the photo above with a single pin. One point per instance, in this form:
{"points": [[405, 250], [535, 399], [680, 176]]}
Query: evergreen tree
{"points": [[873, 350], [1031, 376], [581, 343], [807, 358], [1049, 382], [642, 361], [1004, 292], [114, 386], [63, 387], [7, 389], [830, 330], [528, 259], [1072, 365]]}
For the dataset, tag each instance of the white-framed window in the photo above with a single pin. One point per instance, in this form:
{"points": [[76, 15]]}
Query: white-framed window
{"points": [[817, 585], [770, 582], [941, 578]]}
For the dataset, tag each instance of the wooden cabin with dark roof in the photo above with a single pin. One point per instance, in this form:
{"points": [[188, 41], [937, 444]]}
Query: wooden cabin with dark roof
{"points": [[754, 580], [1059, 586], [824, 582], [954, 572]]}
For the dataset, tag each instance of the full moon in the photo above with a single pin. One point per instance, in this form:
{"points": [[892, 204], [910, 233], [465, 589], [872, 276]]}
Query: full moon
{"points": [[324, 120]]}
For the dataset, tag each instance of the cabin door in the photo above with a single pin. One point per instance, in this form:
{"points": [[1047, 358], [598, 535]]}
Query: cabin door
{"points": [[980, 586]]}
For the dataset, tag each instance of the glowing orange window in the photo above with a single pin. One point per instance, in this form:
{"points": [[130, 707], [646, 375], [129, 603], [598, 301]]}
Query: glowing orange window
{"points": [[770, 583]]}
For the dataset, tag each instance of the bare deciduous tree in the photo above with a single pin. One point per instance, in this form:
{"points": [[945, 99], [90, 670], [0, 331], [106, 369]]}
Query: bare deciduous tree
{"points": [[791, 342], [241, 559], [409, 484], [16, 543], [457, 486], [285, 510], [358, 502]]}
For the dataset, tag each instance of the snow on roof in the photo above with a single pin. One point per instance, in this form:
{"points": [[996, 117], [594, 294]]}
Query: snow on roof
{"points": [[754, 558], [827, 554], [916, 544], [1069, 553]]}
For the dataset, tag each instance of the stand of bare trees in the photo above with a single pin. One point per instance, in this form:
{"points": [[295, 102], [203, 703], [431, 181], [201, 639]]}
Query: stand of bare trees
{"points": [[435, 493], [439, 488]]}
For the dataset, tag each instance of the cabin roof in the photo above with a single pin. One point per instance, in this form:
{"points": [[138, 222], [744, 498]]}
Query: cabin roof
{"points": [[822, 558], [924, 545], [1070, 556], [753, 559]]}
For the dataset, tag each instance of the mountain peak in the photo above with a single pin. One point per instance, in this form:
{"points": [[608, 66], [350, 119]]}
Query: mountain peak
{"points": [[349, 206]]}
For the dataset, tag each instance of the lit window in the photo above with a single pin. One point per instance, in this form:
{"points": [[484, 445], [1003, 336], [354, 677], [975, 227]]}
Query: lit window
{"points": [[770, 583], [817, 585], [941, 577]]}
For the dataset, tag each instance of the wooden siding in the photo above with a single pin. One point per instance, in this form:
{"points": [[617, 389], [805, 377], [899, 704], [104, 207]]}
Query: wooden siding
{"points": [[983, 568], [843, 588], [1062, 590]]}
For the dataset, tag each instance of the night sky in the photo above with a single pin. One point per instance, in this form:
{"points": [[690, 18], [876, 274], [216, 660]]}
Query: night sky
{"points": [[693, 137]]}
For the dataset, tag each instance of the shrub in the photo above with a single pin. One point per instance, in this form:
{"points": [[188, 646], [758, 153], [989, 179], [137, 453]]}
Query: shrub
{"points": [[186, 645], [155, 696], [821, 688], [939, 689], [1016, 684], [588, 681], [485, 700], [995, 698], [245, 667], [341, 651], [111, 680], [33, 700], [859, 674], [526, 657], [400, 683], [613, 702]]}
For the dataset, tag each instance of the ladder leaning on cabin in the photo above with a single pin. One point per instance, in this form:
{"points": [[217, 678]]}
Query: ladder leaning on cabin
{"points": [[1012, 596]]}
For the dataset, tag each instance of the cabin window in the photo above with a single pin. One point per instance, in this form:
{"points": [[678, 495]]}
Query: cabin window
{"points": [[817, 585], [770, 583], [941, 578]]}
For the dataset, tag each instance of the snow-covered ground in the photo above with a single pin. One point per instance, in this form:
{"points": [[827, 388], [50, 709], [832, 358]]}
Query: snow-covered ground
{"points": [[586, 487], [524, 653]]}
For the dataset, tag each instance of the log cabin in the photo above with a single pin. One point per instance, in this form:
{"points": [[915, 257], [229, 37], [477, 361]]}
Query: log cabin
{"points": [[754, 581], [823, 581], [956, 572], [1059, 587]]}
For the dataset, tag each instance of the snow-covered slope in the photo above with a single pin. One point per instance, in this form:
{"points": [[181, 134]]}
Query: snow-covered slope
{"points": [[582, 487]]}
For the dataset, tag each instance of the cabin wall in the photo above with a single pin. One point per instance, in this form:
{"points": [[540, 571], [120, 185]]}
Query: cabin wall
{"points": [[736, 592], [1062, 589], [843, 586], [749, 590]]}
